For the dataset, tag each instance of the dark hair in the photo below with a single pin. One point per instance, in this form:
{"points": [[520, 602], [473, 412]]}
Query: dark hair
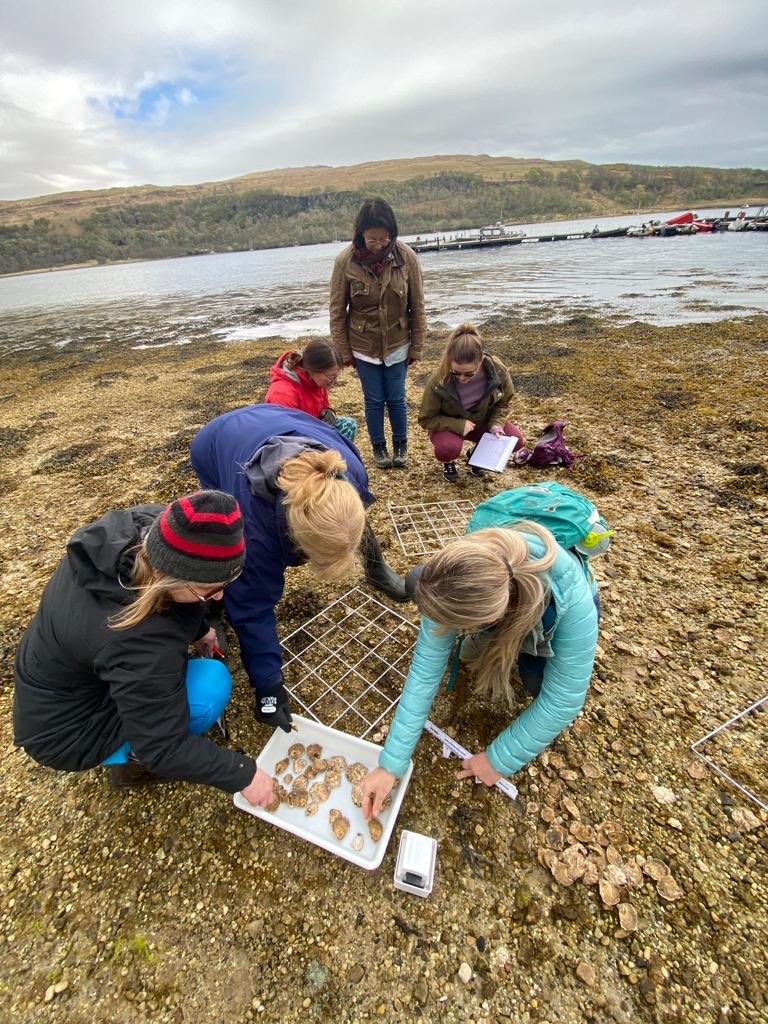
{"points": [[374, 213], [320, 354]]}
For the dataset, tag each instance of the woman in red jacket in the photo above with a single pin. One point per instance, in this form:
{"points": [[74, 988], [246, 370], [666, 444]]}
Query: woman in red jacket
{"points": [[300, 380]]}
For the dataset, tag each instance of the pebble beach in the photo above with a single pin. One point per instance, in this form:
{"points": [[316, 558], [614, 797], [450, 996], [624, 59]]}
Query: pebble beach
{"points": [[627, 883]]}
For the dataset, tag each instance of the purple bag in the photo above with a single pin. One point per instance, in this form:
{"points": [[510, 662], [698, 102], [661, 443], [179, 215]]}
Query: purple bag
{"points": [[549, 450]]}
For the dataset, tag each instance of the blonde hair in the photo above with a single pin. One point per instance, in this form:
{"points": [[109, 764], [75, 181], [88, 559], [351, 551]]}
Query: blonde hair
{"points": [[489, 577], [464, 346], [325, 514], [153, 588]]}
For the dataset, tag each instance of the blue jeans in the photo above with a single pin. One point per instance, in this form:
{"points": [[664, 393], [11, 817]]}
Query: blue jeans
{"points": [[384, 385], [209, 686]]}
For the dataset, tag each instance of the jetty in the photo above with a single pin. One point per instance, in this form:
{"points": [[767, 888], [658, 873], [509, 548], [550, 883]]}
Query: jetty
{"points": [[498, 235]]}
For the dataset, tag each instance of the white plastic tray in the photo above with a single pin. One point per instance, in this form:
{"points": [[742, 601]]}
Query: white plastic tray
{"points": [[317, 828]]}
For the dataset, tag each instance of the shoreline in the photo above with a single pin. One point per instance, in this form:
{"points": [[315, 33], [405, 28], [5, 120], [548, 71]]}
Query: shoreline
{"points": [[90, 264]]}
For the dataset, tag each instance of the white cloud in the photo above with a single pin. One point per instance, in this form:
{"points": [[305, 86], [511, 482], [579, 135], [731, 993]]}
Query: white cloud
{"points": [[105, 93]]}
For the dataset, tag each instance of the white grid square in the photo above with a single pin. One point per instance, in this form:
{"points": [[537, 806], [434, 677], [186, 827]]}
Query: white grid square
{"points": [[346, 666], [425, 528], [725, 739]]}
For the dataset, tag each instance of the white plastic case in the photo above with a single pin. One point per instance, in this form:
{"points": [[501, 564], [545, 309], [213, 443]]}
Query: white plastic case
{"points": [[317, 828]]}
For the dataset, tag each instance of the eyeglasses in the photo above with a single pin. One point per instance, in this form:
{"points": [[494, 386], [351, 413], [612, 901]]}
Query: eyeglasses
{"points": [[207, 595], [371, 240], [331, 377], [465, 374]]}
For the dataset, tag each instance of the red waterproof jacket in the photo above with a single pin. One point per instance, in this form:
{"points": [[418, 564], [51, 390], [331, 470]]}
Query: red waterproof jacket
{"points": [[294, 388]]}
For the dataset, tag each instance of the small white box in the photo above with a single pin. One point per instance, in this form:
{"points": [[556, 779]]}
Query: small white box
{"points": [[415, 868]]}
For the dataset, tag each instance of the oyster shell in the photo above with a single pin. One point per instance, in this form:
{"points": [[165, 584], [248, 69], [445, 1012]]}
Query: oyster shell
{"points": [[273, 804], [340, 826], [298, 798], [337, 762], [357, 796], [296, 750], [333, 778], [314, 750], [333, 814], [357, 842], [310, 809], [281, 765], [299, 764], [287, 778], [376, 829], [301, 784], [319, 765], [319, 791], [356, 772]]}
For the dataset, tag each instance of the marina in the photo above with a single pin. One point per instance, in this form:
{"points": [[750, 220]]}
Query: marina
{"points": [[501, 235]]}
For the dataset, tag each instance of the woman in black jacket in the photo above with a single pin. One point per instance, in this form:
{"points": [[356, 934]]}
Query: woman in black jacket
{"points": [[102, 671]]}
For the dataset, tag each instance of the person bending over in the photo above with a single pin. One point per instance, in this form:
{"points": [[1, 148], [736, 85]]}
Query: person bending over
{"points": [[302, 489], [102, 670]]}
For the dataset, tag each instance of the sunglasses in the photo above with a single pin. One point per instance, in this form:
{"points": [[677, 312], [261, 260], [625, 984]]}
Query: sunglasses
{"points": [[464, 374]]}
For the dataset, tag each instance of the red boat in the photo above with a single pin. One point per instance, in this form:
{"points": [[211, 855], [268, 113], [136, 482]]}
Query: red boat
{"points": [[703, 225], [683, 218]]}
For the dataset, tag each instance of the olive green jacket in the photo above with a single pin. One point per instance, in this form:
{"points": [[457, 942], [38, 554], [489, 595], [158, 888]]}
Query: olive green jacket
{"points": [[375, 317], [441, 407]]}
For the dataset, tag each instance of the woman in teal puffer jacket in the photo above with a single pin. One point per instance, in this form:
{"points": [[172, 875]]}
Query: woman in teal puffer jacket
{"points": [[521, 601]]}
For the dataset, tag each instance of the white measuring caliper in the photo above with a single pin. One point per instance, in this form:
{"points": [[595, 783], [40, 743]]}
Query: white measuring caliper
{"points": [[450, 746]]}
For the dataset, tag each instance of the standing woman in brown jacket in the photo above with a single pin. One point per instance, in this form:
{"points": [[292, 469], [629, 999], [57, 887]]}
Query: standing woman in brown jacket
{"points": [[468, 395], [378, 322]]}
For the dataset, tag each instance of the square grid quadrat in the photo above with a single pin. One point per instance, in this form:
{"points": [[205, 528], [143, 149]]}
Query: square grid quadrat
{"points": [[346, 666], [425, 528], [742, 736]]}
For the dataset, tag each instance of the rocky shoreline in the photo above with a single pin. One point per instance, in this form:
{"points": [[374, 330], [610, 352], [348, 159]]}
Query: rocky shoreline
{"points": [[627, 883]]}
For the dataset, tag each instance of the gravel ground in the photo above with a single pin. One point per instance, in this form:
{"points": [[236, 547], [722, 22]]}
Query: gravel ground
{"points": [[627, 883]]}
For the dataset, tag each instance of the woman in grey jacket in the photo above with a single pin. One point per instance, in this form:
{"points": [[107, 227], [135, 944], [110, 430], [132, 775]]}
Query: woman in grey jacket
{"points": [[378, 323], [527, 604]]}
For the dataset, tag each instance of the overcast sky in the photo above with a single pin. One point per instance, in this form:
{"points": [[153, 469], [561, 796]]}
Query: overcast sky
{"points": [[98, 93]]}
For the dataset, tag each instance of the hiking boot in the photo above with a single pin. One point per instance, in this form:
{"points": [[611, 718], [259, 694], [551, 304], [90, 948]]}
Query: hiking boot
{"points": [[400, 458], [474, 470], [450, 473], [381, 456], [133, 774]]}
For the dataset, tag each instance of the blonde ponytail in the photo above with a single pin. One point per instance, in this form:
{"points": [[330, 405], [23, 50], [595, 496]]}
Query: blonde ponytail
{"points": [[464, 346], [488, 578], [325, 514]]}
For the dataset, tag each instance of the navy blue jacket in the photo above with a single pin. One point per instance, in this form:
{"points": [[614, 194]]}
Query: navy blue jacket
{"points": [[220, 452]]}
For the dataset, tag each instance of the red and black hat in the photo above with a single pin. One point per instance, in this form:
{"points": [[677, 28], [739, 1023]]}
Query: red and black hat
{"points": [[198, 538]]}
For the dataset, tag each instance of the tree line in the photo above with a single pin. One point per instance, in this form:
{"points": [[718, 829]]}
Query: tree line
{"points": [[230, 220]]}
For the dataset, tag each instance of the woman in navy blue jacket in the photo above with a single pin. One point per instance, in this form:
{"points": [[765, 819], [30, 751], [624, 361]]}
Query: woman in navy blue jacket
{"points": [[302, 489]]}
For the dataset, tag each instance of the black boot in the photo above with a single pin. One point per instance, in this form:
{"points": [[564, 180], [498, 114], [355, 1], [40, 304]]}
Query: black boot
{"points": [[377, 572], [400, 458], [381, 456], [133, 774]]}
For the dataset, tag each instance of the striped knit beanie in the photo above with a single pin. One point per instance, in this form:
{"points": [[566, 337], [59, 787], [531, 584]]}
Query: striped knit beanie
{"points": [[198, 538]]}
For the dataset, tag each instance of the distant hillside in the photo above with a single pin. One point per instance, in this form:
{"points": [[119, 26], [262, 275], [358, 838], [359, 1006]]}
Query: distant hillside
{"points": [[300, 205]]}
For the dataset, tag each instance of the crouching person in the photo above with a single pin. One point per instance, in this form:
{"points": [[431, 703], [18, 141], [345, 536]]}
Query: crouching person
{"points": [[102, 671]]}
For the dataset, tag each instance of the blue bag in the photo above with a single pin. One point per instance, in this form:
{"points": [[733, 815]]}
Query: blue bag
{"points": [[571, 518]]}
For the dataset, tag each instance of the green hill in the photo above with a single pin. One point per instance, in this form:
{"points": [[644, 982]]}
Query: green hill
{"points": [[301, 205]]}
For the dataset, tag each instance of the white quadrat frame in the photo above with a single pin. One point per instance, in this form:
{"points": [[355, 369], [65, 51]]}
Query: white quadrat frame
{"points": [[731, 721], [346, 666], [423, 529]]}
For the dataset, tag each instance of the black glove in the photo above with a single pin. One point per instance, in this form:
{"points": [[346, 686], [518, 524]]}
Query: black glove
{"points": [[328, 416], [273, 708]]}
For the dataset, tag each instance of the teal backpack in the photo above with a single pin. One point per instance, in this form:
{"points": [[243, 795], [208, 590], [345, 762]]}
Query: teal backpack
{"points": [[571, 518]]}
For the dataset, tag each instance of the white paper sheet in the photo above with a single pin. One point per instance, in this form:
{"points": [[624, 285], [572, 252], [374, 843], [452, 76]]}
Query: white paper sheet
{"points": [[493, 452]]}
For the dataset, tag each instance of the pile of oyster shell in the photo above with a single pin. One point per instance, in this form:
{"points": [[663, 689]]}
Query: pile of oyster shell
{"points": [[306, 779]]}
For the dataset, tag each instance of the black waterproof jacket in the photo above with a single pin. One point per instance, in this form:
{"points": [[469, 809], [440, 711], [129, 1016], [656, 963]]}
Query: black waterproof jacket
{"points": [[83, 688]]}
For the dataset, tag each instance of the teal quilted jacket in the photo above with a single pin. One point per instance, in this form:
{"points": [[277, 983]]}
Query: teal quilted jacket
{"points": [[563, 690]]}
